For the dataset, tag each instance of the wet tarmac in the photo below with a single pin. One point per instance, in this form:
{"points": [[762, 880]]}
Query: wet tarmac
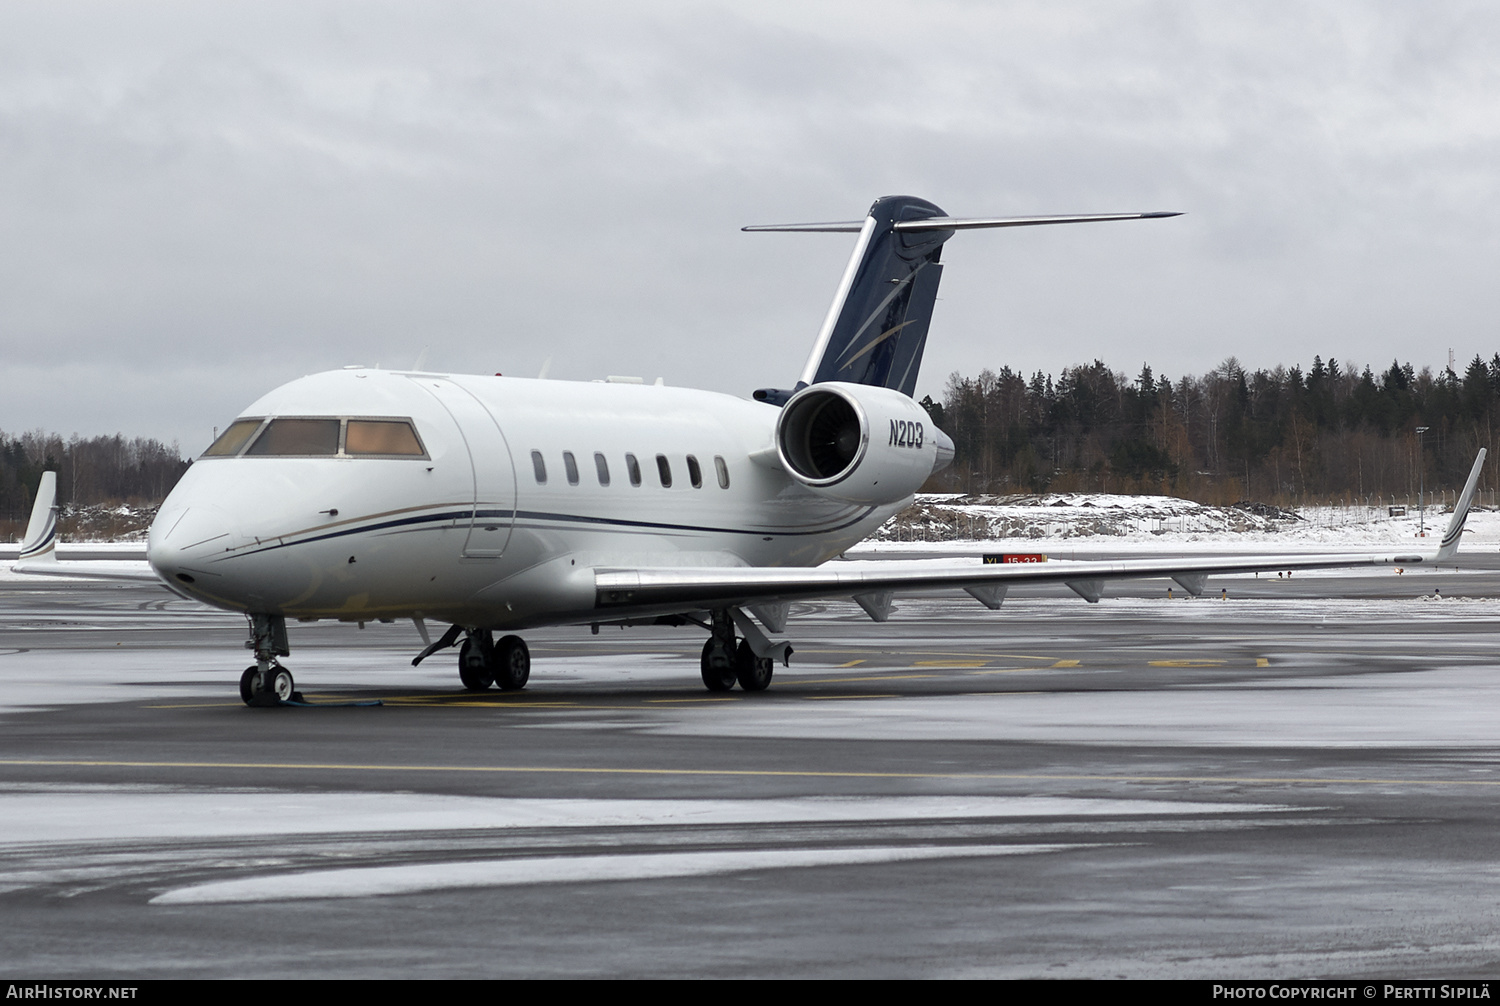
{"points": [[1299, 780]]}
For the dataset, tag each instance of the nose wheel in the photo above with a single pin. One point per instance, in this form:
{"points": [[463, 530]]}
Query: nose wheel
{"points": [[277, 690]]}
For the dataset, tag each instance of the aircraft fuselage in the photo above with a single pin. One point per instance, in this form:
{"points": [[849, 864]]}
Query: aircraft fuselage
{"points": [[472, 530]]}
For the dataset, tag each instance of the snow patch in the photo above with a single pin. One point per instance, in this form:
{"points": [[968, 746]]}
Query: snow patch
{"points": [[377, 880]]}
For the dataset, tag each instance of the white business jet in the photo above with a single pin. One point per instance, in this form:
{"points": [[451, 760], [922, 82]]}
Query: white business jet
{"points": [[496, 505]]}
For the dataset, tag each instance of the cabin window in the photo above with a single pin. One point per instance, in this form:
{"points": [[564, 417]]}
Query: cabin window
{"points": [[232, 439], [695, 474], [298, 438], [571, 467], [601, 466], [723, 470], [539, 467], [634, 468], [390, 437], [664, 471]]}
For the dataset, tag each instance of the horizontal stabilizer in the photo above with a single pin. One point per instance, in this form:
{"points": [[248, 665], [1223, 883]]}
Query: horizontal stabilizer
{"points": [[959, 223]]}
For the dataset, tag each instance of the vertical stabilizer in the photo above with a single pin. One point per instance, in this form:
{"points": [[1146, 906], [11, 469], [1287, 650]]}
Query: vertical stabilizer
{"points": [[876, 328], [40, 542]]}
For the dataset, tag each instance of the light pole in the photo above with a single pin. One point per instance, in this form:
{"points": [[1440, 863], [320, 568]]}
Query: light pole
{"points": [[1421, 475]]}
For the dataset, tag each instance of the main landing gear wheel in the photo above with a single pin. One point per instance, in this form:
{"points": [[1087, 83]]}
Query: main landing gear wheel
{"points": [[473, 669], [512, 664], [718, 667], [282, 688], [754, 673]]}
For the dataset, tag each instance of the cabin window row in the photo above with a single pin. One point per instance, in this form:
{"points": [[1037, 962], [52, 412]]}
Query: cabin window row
{"points": [[632, 470], [318, 437]]}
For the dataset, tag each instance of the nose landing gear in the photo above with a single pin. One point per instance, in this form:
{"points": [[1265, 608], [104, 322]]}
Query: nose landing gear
{"points": [[266, 682]]}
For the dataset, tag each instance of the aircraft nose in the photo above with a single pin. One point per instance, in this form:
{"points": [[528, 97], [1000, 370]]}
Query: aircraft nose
{"points": [[183, 540]]}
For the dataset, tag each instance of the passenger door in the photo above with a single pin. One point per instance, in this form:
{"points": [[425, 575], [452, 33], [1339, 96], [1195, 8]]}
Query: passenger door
{"points": [[494, 474]]}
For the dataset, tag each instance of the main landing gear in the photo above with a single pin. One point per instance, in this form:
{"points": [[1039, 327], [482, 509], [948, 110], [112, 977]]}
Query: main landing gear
{"points": [[483, 662], [726, 661], [266, 682]]}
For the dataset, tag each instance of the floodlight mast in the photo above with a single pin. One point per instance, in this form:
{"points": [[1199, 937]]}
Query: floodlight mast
{"points": [[1421, 486]]}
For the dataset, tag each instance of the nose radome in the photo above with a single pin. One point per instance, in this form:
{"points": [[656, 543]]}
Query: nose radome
{"points": [[184, 536]]}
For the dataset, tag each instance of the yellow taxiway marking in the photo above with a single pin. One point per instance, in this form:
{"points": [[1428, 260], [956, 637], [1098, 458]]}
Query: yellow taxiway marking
{"points": [[948, 654], [846, 698], [476, 704], [1186, 663], [751, 773], [950, 663], [862, 677], [852, 663], [706, 698], [1262, 662], [1003, 670], [1066, 663], [197, 705]]}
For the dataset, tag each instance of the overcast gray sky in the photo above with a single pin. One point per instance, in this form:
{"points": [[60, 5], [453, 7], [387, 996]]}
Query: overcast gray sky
{"points": [[202, 201]]}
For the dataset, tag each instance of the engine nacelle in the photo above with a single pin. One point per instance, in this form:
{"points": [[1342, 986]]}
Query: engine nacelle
{"points": [[859, 444]]}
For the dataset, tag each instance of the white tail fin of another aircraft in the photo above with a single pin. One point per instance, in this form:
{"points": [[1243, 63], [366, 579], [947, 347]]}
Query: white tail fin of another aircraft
{"points": [[40, 543], [1449, 545], [39, 546]]}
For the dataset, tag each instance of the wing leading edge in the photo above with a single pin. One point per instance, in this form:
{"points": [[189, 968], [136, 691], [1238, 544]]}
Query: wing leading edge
{"points": [[663, 591]]}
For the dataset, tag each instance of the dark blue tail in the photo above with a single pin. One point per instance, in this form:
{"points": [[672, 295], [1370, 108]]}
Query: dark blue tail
{"points": [[876, 329]]}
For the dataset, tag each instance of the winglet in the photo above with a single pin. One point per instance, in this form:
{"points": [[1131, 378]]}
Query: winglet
{"points": [[40, 543], [1455, 531]]}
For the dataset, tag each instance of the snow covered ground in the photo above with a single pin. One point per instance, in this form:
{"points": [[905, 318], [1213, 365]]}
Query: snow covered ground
{"points": [[1040, 523]]}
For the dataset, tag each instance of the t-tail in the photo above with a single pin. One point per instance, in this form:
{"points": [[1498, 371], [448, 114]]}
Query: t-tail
{"points": [[40, 543], [876, 328]]}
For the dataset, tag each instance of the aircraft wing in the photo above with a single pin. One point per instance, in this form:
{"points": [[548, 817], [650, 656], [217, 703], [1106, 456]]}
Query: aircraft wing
{"points": [[872, 583], [132, 570]]}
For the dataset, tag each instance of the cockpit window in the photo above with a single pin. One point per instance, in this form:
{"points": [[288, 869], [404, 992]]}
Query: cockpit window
{"points": [[232, 439], [319, 437], [297, 438], [382, 436]]}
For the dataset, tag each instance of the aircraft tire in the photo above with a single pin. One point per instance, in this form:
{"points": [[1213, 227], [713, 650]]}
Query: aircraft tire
{"points": [[283, 688], [754, 673], [718, 672], [512, 663], [472, 669]]}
